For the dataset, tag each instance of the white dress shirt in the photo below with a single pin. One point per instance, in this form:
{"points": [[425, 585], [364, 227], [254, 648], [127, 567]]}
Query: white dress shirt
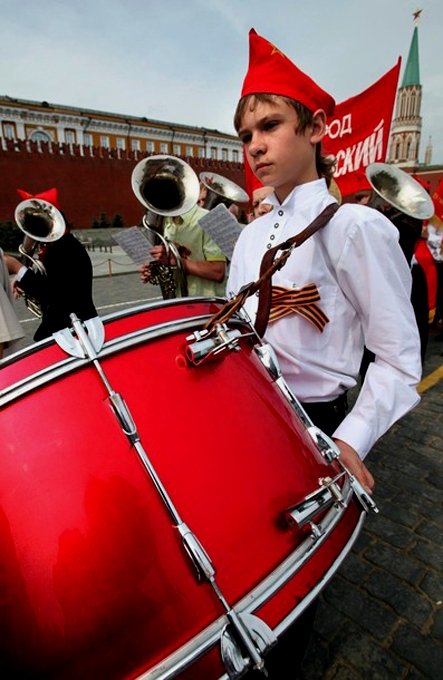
{"points": [[364, 284]]}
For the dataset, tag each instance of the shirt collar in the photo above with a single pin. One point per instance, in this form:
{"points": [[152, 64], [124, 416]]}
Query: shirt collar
{"points": [[301, 195]]}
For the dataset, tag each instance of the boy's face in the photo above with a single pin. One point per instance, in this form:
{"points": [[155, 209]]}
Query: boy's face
{"points": [[278, 156]]}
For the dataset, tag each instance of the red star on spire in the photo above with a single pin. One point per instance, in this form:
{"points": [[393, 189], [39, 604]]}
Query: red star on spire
{"points": [[416, 15]]}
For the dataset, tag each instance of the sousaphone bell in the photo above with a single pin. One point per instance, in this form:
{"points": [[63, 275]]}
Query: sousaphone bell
{"points": [[41, 222], [219, 189], [167, 187], [400, 190]]}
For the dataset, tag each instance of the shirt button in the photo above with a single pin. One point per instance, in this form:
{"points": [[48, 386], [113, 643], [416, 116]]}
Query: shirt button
{"points": [[276, 226], [268, 246], [280, 212], [272, 237]]}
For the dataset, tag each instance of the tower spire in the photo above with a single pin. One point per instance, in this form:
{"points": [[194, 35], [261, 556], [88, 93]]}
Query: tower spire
{"points": [[406, 124], [411, 75]]}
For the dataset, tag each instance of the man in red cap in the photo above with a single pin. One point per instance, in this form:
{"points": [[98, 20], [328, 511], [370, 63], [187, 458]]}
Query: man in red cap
{"points": [[354, 261], [67, 286]]}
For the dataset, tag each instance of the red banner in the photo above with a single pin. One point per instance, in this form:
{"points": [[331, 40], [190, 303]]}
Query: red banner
{"points": [[437, 198], [358, 132]]}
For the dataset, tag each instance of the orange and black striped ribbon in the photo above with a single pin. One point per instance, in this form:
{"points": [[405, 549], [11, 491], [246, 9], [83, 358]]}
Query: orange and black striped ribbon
{"points": [[300, 301]]}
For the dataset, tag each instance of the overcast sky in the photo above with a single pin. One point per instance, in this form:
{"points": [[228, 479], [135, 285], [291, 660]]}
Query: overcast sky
{"points": [[183, 61]]}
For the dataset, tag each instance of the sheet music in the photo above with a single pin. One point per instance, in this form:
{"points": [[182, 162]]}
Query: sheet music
{"points": [[135, 244], [222, 226]]}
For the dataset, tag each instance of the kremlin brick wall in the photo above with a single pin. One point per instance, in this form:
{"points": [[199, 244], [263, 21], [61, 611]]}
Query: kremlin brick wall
{"points": [[90, 181]]}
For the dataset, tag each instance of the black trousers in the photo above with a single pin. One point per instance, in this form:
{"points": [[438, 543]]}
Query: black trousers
{"points": [[328, 415], [284, 660]]}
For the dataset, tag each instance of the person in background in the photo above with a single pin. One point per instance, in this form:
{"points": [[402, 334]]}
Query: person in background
{"points": [[10, 328], [203, 262], [435, 243], [259, 205], [409, 230], [423, 257], [424, 287], [67, 286], [356, 264], [363, 197], [234, 210], [202, 195], [257, 193]]}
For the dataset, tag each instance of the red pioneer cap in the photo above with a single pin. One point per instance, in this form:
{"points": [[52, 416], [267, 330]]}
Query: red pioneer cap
{"points": [[51, 196], [271, 72]]}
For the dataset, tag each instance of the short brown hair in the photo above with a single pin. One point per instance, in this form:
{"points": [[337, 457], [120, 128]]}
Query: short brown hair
{"points": [[325, 164]]}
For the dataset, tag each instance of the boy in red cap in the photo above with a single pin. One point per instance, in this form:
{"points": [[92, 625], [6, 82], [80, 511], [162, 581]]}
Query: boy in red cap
{"points": [[355, 261], [67, 286]]}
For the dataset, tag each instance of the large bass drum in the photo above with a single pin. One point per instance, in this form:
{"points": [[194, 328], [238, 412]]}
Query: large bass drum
{"points": [[99, 577]]}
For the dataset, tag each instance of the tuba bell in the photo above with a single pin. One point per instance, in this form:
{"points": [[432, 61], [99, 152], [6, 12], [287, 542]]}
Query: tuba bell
{"points": [[167, 187], [41, 223], [221, 190], [400, 190]]}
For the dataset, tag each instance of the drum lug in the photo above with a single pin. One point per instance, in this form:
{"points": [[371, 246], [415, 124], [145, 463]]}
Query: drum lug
{"points": [[305, 512], [243, 631], [207, 346]]}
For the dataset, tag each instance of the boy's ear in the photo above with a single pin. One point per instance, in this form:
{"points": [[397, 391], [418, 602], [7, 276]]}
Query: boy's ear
{"points": [[318, 126]]}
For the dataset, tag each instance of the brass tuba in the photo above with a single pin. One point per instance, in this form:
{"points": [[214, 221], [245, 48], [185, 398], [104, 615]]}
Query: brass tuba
{"points": [[400, 190], [221, 190], [41, 222], [167, 187]]}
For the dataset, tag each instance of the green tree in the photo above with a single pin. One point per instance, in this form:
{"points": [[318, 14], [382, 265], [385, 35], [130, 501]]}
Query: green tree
{"points": [[10, 236], [117, 222], [104, 223]]}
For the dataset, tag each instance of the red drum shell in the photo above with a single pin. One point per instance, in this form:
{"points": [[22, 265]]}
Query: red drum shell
{"points": [[95, 580]]}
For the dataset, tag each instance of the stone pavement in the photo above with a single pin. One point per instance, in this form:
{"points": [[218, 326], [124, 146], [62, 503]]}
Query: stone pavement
{"points": [[381, 616]]}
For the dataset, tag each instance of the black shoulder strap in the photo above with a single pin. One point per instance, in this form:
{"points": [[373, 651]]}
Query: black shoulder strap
{"points": [[267, 269]]}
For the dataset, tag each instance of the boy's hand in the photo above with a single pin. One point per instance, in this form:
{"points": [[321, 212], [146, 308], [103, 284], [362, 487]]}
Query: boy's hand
{"points": [[355, 465]]}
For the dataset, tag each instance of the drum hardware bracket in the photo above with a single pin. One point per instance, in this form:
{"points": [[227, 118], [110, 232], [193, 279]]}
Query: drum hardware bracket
{"points": [[193, 547], [268, 358], [197, 553], [207, 346], [331, 452], [264, 639], [326, 445], [95, 334], [84, 347], [243, 315], [200, 558], [364, 498], [328, 493]]}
